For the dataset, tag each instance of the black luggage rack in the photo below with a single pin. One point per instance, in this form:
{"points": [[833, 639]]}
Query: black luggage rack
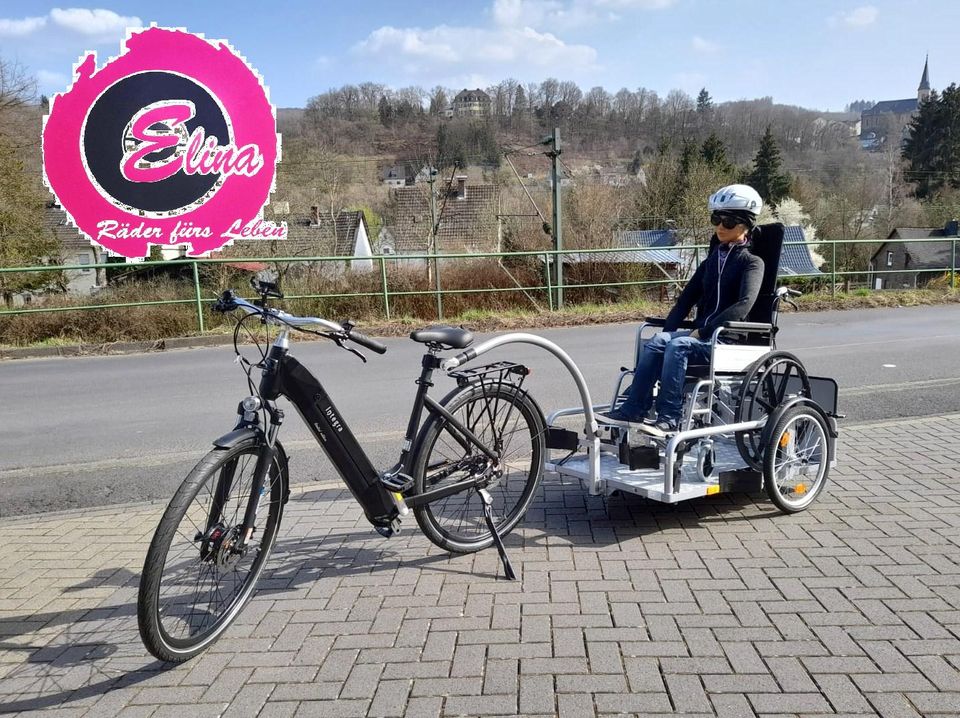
{"points": [[505, 371]]}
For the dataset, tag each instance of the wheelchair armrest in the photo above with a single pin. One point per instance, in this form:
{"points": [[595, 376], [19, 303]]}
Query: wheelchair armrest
{"points": [[661, 322], [748, 326]]}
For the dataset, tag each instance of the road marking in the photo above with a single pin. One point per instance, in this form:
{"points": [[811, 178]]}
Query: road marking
{"points": [[162, 459], [868, 344], [901, 386]]}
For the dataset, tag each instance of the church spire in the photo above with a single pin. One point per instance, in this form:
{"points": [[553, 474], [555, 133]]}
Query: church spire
{"points": [[923, 92]]}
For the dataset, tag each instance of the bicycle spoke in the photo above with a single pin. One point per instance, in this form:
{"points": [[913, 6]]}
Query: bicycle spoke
{"points": [[494, 416], [196, 592]]}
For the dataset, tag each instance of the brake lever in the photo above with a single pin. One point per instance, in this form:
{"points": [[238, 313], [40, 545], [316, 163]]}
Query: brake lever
{"points": [[339, 343], [792, 304]]}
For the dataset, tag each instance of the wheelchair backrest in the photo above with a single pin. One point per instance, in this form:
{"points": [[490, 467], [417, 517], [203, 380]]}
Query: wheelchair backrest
{"points": [[766, 242]]}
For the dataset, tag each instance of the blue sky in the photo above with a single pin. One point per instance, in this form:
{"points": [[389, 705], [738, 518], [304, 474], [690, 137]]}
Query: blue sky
{"points": [[815, 53]]}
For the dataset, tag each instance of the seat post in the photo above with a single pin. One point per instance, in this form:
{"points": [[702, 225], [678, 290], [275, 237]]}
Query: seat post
{"points": [[428, 364]]}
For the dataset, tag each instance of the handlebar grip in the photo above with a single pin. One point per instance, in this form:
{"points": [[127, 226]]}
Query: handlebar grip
{"points": [[794, 292], [226, 302], [365, 341]]}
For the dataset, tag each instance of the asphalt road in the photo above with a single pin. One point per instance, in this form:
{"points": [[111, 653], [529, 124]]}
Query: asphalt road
{"points": [[102, 430]]}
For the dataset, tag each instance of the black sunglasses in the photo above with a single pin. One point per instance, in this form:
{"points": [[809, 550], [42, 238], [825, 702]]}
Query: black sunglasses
{"points": [[726, 220]]}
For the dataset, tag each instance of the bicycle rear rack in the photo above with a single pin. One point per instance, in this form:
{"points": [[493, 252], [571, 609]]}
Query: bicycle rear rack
{"points": [[505, 371]]}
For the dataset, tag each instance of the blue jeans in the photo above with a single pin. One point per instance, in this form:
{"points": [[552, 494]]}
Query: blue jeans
{"points": [[665, 357]]}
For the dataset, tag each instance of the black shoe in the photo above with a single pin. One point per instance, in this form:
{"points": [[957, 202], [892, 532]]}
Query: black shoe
{"points": [[615, 416], [661, 429]]}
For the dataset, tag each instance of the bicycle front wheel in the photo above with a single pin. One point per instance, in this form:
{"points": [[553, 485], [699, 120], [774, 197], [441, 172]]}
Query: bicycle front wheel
{"points": [[507, 421], [194, 581]]}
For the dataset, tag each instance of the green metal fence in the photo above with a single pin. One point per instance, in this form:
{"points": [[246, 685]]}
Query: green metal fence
{"points": [[386, 294]]}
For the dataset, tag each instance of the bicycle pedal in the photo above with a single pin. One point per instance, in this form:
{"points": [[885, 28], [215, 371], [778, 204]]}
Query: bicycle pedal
{"points": [[397, 483], [389, 530]]}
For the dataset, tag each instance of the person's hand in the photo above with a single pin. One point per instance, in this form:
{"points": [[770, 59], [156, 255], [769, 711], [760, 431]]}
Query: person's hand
{"points": [[695, 334]]}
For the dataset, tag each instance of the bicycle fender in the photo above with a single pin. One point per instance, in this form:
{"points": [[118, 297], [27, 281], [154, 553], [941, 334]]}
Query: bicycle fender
{"points": [[245, 433], [782, 409], [231, 439]]}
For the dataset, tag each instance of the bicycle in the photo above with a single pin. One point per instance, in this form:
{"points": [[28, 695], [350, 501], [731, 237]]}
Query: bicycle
{"points": [[468, 472]]}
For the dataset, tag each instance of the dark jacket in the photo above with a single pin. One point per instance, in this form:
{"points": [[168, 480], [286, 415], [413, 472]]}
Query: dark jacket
{"points": [[719, 298]]}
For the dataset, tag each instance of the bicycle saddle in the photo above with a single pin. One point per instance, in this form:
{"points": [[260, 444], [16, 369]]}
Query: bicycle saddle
{"points": [[453, 337]]}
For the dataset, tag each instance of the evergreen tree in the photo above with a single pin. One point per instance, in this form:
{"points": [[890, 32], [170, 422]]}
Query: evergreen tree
{"points": [[520, 101], [385, 110], [714, 153], [704, 103], [933, 147], [772, 184], [688, 156]]}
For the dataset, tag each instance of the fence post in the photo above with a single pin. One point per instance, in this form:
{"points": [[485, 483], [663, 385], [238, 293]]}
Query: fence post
{"points": [[386, 294], [546, 270], [436, 275], [953, 264], [196, 290], [833, 270]]}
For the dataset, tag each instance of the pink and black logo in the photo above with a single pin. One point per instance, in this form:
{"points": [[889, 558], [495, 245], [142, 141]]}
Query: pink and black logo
{"points": [[173, 142]]}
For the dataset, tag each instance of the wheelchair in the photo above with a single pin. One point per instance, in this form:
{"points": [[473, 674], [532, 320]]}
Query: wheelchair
{"points": [[753, 418]]}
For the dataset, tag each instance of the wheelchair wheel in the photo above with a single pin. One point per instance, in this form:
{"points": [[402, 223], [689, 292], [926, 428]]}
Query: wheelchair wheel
{"points": [[796, 460], [766, 383]]}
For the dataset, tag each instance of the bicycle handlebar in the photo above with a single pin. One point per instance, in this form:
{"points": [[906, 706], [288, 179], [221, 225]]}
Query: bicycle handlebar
{"points": [[368, 342], [229, 301]]}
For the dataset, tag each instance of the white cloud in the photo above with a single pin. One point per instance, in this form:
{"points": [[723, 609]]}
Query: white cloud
{"points": [[705, 46], [520, 13], [469, 49], [565, 14], [634, 4], [858, 17], [19, 28], [96, 22]]}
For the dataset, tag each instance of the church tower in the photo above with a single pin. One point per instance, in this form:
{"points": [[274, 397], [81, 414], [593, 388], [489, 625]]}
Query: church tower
{"points": [[923, 92]]}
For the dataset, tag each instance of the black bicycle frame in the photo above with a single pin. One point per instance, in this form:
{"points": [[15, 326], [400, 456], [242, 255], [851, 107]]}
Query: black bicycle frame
{"points": [[285, 376]]}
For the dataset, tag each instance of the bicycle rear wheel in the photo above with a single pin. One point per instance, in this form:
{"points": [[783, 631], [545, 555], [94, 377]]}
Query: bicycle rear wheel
{"points": [[508, 421], [193, 585]]}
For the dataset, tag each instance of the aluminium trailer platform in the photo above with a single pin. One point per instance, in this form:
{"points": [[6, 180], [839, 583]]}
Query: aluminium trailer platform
{"points": [[598, 465]]}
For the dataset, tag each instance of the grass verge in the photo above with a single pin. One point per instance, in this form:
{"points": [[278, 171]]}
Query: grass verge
{"points": [[97, 330]]}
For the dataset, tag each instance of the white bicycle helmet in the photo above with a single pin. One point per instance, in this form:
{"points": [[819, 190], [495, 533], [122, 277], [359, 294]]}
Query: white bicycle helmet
{"points": [[736, 199]]}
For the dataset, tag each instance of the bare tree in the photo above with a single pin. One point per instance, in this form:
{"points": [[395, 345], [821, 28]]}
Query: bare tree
{"points": [[598, 102], [569, 93], [549, 92], [438, 100], [17, 86]]}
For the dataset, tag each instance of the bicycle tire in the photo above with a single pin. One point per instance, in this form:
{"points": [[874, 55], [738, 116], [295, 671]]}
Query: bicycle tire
{"points": [[158, 613], [511, 493]]}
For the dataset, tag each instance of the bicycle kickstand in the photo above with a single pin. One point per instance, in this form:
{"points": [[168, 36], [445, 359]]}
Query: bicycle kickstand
{"points": [[488, 515]]}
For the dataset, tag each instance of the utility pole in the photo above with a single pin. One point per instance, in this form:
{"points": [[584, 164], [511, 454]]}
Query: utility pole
{"points": [[554, 154], [431, 179]]}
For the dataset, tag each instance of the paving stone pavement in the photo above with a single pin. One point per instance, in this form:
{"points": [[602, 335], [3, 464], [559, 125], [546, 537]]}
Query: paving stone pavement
{"points": [[720, 606]]}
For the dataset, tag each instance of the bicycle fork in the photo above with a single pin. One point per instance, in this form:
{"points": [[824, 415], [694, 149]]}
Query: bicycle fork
{"points": [[265, 457], [266, 454]]}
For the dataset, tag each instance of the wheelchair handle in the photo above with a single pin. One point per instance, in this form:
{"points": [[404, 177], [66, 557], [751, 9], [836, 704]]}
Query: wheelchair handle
{"points": [[662, 322]]}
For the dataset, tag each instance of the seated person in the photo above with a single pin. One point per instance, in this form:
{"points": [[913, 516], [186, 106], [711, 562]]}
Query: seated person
{"points": [[723, 288]]}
